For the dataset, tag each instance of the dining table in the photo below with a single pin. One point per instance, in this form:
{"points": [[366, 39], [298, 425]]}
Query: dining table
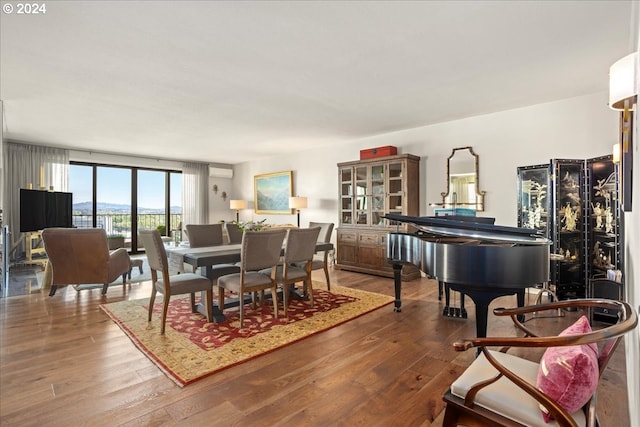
{"points": [[208, 259]]}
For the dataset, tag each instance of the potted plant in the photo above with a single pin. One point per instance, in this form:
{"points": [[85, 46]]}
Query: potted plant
{"points": [[115, 241]]}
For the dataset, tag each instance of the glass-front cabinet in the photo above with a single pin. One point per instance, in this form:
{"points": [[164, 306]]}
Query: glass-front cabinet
{"points": [[369, 189]]}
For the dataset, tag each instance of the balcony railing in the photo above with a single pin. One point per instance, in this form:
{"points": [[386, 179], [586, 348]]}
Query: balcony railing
{"points": [[120, 224]]}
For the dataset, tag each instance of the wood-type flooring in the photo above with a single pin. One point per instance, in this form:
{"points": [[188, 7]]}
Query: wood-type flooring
{"points": [[63, 362]]}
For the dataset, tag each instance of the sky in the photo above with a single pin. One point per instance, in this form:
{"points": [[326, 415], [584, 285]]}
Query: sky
{"points": [[114, 186]]}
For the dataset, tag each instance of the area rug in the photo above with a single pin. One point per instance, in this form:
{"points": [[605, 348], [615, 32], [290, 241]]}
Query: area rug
{"points": [[192, 349]]}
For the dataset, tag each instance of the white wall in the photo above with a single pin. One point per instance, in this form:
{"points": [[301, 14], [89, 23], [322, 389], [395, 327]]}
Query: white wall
{"points": [[575, 128]]}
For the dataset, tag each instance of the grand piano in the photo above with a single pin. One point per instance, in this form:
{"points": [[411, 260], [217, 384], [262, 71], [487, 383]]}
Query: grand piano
{"points": [[480, 260]]}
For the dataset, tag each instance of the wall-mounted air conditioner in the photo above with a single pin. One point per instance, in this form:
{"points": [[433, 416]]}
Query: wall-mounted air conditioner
{"points": [[220, 172]]}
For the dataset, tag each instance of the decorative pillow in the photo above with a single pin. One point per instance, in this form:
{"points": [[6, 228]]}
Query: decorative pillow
{"points": [[569, 374]]}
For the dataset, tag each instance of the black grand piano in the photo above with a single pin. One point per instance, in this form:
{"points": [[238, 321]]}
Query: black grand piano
{"points": [[478, 259]]}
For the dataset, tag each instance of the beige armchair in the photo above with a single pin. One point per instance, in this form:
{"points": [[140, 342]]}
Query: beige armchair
{"points": [[81, 256]]}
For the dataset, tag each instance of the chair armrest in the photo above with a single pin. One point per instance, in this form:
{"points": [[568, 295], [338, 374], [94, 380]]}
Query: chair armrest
{"points": [[119, 263], [628, 320]]}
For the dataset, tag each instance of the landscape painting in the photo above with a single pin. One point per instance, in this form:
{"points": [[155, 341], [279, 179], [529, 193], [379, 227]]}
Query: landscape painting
{"points": [[272, 192]]}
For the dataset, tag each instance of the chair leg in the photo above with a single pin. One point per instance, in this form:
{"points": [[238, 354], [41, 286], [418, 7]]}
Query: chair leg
{"points": [[310, 291], [52, 292], [105, 287], [165, 309], [209, 302], [241, 305], [220, 299], [152, 301], [326, 275], [274, 297], [285, 299], [193, 302], [124, 277]]}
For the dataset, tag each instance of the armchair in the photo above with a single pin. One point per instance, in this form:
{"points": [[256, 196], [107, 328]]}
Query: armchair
{"points": [[81, 256], [503, 389]]}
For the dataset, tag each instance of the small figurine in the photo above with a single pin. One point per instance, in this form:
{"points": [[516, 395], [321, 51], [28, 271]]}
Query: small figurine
{"points": [[608, 220], [569, 218], [597, 212]]}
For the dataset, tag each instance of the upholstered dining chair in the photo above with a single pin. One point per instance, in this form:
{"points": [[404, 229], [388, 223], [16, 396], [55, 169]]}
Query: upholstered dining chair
{"points": [[234, 232], [502, 389], [300, 246], [322, 261], [260, 250], [201, 235], [167, 285], [81, 256]]}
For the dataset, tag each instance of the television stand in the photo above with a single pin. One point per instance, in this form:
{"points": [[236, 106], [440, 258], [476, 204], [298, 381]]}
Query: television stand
{"points": [[37, 249]]}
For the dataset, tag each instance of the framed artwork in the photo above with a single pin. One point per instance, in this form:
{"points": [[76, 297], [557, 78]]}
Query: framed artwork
{"points": [[272, 192]]}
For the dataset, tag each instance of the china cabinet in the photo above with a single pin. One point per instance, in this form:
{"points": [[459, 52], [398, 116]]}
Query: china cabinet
{"points": [[368, 189]]}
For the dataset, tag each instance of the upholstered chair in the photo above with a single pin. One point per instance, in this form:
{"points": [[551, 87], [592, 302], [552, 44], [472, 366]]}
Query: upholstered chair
{"points": [[260, 250], [80, 256], [500, 388], [321, 260], [234, 232], [167, 285], [201, 235], [300, 246]]}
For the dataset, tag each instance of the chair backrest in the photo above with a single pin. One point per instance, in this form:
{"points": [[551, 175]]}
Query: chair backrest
{"points": [[300, 244], [77, 255], [234, 232], [153, 246], [204, 235], [326, 228], [261, 249]]}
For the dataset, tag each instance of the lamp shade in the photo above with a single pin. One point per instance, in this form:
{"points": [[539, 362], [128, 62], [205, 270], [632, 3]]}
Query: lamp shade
{"points": [[622, 81], [297, 202], [238, 204]]}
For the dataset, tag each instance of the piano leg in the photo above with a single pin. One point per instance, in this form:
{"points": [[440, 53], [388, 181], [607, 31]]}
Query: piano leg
{"points": [[482, 298], [397, 283]]}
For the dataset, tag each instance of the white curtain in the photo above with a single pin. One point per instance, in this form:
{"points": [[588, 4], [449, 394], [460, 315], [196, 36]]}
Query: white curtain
{"points": [[24, 165], [195, 193]]}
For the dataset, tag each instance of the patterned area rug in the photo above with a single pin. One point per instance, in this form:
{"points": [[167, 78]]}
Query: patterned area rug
{"points": [[192, 349]]}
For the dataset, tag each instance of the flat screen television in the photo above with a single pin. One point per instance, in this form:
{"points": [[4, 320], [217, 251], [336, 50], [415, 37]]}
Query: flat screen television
{"points": [[45, 209]]}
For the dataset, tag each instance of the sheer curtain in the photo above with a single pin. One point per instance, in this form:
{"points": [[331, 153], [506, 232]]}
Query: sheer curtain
{"points": [[34, 165], [195, 193]]}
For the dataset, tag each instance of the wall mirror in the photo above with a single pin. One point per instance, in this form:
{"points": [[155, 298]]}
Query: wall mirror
{"points": [[462, 181]]}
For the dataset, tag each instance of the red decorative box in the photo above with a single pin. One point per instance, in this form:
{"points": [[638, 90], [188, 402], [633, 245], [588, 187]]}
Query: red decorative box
{"points": [[371, 153]]}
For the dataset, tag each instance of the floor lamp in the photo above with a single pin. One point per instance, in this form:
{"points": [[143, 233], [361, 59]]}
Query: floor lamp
{"points": [[237, 205], [297, 203]]}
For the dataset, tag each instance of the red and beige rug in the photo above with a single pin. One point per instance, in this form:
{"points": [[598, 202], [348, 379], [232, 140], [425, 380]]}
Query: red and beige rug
{"points": [[192, 349]]}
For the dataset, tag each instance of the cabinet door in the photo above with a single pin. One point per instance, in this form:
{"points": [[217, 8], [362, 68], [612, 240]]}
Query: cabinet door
{"points": [[396, 190], [378, 193], [347, 213], [362, 195], [347, 248]]}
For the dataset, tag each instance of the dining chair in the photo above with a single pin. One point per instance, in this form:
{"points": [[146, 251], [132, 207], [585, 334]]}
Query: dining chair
{"points": [[260, 252], [234, 232], [170, 285], [201, 235], [502, 389], [326, 228], [300, 246]]}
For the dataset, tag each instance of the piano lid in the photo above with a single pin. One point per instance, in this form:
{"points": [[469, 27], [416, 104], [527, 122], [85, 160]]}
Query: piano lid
{"points": [[470, 228]]}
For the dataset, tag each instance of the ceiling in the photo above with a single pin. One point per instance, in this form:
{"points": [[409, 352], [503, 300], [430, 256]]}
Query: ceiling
{"points": [[231, 81]]}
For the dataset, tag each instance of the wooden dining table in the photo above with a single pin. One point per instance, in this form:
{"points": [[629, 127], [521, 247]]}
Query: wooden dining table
{"points": [[207, 258]]}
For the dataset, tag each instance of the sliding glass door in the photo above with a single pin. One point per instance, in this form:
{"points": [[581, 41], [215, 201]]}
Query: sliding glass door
{"points": [[123, 200]]}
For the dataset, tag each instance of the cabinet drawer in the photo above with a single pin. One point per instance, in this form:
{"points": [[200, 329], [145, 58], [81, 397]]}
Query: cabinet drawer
{"points": [[348, 237], [369, 239]]}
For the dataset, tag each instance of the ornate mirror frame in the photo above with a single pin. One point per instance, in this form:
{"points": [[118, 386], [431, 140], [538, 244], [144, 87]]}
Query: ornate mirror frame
{"points": [[478, 205]]}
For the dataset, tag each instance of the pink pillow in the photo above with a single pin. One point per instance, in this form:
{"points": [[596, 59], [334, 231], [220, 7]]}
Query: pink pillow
{"points": [[569, 375]]}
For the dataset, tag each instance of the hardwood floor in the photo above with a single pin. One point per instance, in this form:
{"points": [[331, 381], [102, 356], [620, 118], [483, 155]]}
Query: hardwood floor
{"points": [[65, 363]]}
